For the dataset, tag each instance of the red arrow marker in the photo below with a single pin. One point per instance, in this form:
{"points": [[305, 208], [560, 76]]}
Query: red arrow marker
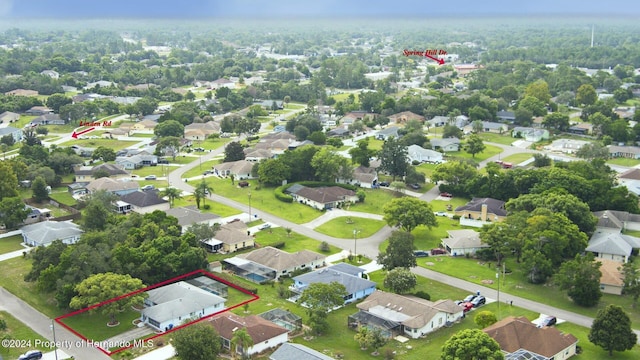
{"points": [[75, 134], [440, 61]]}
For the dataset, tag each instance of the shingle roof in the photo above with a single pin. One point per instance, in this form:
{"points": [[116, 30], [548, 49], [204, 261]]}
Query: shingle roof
{"points": [[281, 260], [143, 198], [258, 328], [47, 231], [519, 333], [352, 283], [493, 206], [291, 351]]}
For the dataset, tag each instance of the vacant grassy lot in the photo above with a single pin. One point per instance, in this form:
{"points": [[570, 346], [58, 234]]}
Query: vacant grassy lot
{"points": [[488, 152], [342, 227], [293, 242], [504, 139], [11, 243], [94, 143], [263, 199], [16, 330], [516, 159]]}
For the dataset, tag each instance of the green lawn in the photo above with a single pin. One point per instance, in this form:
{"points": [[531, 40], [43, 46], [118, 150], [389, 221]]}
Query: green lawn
{"points": [[294, 242], [215, 207], [16, 330], [488, 152], [516, 159], [110, 143], [11, 243], [263, 199], [504, 139], [343, 227], [624, 162]]}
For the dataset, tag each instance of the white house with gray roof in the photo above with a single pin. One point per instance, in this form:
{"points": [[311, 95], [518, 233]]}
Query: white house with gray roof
{"points": [[46, 232], [172, 305]]}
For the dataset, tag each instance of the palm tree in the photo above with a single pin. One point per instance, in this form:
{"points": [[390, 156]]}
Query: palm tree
{"points": [[242, 341], [172, 193], [201, 192]]}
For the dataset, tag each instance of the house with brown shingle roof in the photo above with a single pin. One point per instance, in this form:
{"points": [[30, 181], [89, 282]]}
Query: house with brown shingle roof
{"points": [[516, 333], [283, 262], [404, 315], [264, 334]]}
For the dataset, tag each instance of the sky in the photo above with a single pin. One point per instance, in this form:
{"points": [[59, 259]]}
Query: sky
{"points": [[308, 8]]}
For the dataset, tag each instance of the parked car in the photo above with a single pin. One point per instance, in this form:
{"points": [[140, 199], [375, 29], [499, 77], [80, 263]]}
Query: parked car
{"points": [[446, 194], [438, 251], [264, 226], [548, 321], [383, 183], [414, 186], [150, 177], [420, 253], [31, 355], [441, 213], [479, 301]]}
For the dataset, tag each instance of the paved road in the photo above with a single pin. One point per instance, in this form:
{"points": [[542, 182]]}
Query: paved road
{"points": [[41, 324]]}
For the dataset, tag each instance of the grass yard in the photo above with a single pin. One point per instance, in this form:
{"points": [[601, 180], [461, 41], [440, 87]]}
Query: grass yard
{"points": [[263, 199], [504, 139], [488, 152], [16, 330], [516, 159], [374, 201], [624, 162], [11, 243], [343, 227], [215, 207], [110, 143], [294, 242], [94, 325]]}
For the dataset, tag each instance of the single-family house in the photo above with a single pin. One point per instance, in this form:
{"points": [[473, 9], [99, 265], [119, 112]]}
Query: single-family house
{"points": [[46, 232], [462, 242], [509, 116], [409, 316], [256, 155], [390, 131], [437, 121], [518, 333], [419, 154], [16, 134], [264, 334], [480, 211], [87, 173], [190, 215], [611, 244], [530, 134], [631, 152], [240, 169], [144, 202], [293, 351], [405, 116], [47, 119], [611, 279], [326, 197], [234, 236], [282, 262], [8, 117], [363, 176], [568, 146], [113, 186], [447, 145], [172, 305], [357, 287]]}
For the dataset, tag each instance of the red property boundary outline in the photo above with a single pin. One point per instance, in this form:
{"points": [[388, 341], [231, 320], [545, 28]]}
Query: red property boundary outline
{"points": [[166, 282]]}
